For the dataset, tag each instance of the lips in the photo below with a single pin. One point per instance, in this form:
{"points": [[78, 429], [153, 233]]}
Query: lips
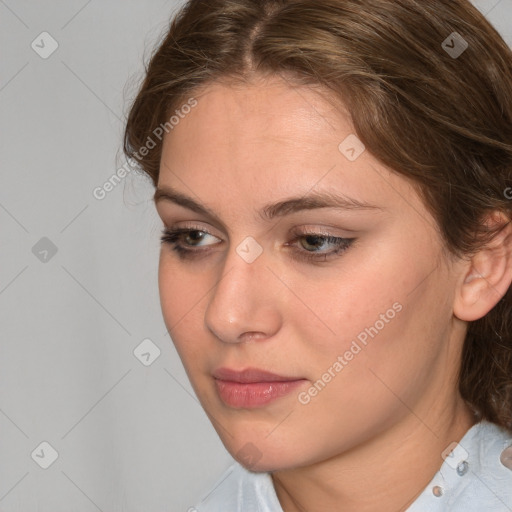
{"points": [[252, 388], [250, 375]]}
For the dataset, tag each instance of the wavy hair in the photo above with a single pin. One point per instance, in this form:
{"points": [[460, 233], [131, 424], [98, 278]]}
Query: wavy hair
{"points": [[428, 86]]}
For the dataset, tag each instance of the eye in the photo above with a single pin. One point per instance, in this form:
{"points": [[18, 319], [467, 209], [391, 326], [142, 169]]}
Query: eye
{"points": [[192, 243], [319, 246], [181, 239]]}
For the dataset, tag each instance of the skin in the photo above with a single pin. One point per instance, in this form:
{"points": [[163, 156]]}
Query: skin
{"points": [[382, 422]]}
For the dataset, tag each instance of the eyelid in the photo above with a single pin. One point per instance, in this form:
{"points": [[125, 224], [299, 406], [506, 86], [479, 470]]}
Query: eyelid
{"points": [[295, 232], [313, 229], [192, 252], [305, 229], [189, 227]]}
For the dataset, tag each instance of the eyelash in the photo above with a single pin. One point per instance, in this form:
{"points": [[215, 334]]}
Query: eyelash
{"points": [[173, 237]]}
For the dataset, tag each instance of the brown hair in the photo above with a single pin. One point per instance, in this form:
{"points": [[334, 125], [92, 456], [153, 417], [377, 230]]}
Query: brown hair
{"points": [[440, 119]]}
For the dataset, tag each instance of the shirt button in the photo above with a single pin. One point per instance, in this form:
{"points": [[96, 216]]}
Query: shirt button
{"points": [[437, 491], [462, 468], [506, 457]]}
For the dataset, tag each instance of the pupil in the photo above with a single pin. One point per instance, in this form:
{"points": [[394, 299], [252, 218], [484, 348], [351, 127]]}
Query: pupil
{"points": [[314, 240], [195, 236]]}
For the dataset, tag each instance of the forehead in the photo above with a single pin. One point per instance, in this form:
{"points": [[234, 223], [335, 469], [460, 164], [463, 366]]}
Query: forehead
{"points": [[255, 126], [272, 106], [245, 145]]}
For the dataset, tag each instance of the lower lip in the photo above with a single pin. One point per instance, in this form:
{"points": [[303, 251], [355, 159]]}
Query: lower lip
{"points": [[254, 394]]}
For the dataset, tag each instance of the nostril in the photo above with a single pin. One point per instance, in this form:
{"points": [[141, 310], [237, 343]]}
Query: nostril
{"points": [[249, 336]]}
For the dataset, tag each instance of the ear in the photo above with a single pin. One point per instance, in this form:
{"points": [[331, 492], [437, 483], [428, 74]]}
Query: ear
{"points": [[487, 276]]}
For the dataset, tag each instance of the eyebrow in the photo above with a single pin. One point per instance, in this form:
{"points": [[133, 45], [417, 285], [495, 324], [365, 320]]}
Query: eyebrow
{"points": [[312, 200]]}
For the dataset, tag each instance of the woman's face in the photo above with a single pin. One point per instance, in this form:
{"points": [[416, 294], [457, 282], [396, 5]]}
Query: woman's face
{"points": [[363, 327]]}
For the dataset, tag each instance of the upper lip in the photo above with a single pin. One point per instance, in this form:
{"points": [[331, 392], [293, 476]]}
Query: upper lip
{"points": [[250, 375]]}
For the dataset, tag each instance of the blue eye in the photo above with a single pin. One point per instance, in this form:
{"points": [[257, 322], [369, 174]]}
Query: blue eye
{"points": [[188, 244]]}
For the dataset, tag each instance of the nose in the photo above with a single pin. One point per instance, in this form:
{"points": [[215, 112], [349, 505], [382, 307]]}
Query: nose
{"points": [[244, 304]]}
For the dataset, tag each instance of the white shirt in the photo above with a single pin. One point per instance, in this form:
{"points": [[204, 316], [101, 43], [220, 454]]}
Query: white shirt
{"points": [[475, 477]]}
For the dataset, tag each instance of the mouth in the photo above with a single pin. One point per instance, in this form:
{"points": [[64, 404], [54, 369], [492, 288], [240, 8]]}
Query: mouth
{"points": [[252, 387]]}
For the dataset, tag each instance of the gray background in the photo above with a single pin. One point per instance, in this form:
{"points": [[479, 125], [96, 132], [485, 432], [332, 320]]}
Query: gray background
{"points": [[129, 436]]}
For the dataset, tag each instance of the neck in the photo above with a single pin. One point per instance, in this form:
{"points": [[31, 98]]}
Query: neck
{"points": [[386, 474]]}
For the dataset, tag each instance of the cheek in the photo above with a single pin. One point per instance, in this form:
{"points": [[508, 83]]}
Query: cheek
{"points": [[182, 296], [344, 305], [170, 287], [368, 325], [389, 355]]}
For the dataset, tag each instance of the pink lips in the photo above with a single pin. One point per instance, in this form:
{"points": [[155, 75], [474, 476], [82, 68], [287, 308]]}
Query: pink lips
{"points": [[252, 387]]}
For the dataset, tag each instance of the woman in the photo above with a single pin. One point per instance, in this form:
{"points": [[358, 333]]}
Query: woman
{"points": [[335, 183]]}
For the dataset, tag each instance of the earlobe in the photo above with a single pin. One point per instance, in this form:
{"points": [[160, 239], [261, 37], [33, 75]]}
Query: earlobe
{"points": [[487, 275]]}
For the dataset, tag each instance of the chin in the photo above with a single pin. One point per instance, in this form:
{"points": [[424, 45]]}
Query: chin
{"points": [[266, 464], [262, 455]]}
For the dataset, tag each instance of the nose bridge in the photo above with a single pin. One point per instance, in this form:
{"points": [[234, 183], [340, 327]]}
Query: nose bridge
{"points": [[242, 300]]}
